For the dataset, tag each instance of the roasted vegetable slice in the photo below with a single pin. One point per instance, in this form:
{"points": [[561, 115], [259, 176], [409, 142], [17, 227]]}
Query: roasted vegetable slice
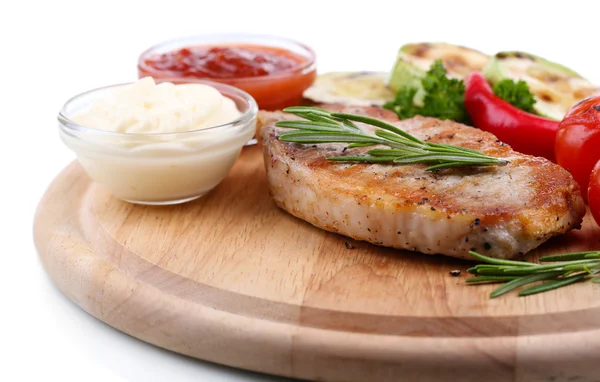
{"points": [[350, 88], [414, 60], [556, 88]]}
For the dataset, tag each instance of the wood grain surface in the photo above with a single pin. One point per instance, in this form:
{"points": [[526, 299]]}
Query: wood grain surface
{"points": [[232, 279]]}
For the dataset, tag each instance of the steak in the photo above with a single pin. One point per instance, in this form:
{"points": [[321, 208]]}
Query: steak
{"points": [[498, 211]]}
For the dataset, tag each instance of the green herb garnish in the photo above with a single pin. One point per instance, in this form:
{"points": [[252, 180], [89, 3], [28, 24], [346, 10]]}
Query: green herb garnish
{"points": [[443, 99], [321, 126], [515, 93], [565, 269]]}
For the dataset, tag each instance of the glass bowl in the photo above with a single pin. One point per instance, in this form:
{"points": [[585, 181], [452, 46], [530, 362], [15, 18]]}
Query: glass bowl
{"points": [[158, 168], [272, 91]]}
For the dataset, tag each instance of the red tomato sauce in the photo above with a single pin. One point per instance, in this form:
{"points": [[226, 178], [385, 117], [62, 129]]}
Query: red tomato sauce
{"points": [[225, 62], [275, 77]]}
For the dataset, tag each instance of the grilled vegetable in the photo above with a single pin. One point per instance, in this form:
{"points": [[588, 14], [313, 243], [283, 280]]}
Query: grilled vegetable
{"points": [[524, 132], [556, 88], [414, 60], [350, 88]]}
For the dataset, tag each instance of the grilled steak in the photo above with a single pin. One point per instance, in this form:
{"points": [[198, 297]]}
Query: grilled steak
{"points": [[498, 211]]}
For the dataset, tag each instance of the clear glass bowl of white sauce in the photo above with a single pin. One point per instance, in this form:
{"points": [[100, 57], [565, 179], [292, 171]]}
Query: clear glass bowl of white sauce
{"points": [[158, 168]]}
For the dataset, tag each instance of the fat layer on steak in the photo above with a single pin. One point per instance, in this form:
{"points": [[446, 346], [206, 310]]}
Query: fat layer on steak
{"points": [[499, 211]]}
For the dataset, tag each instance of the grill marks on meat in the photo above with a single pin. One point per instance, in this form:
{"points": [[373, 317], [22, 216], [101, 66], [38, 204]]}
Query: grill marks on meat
{"points": [[498, 211]]}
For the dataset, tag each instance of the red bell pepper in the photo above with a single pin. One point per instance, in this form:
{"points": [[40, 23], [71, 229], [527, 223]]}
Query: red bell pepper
{"points": [[524, 132]]}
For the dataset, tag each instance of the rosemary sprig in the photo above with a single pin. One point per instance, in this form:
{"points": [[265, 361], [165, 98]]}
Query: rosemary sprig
{"points": [[566, 269], [321, 126]]}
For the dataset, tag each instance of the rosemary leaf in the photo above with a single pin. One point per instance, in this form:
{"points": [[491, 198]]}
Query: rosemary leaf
{"points": [[377, 123], [353, 145], [491, 260], [370, 159], [571, 256], [555, 284], [490, 279], [566, 269], [321, 126], [523, 281], [503, 272], [306, 109], [314, 137], [450, 147], [577, 265], [309, 125], [389, 153], [433, 158], [447, 165], [398, 139]]}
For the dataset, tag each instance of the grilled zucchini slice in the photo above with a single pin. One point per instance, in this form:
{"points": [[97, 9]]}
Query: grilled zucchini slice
{"points": [[350, 88], [555, 87]]}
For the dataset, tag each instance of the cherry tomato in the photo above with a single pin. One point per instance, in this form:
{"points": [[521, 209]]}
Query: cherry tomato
{"points": [[594, 193], [577, 145]]}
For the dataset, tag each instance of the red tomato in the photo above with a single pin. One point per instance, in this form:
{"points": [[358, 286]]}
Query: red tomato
{"points": [[594, 193], [577, 146]]}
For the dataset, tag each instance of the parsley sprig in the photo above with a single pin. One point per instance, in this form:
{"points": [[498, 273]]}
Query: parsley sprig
{"points": [[515, 93], [443, 99]]}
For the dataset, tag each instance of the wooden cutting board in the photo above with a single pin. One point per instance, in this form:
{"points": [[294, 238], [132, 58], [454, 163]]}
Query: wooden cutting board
{"points": [[232, 279]]}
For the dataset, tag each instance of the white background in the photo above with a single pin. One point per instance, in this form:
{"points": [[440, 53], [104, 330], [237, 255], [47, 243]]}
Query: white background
{"points": [[51, 50]]}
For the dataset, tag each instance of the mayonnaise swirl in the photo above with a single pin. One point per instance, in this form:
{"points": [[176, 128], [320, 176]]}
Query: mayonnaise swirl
{"points": [[147, 108]]}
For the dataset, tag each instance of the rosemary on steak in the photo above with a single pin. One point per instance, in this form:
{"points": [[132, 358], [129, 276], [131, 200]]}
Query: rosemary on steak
{"points": [[565, 269], [321, 126]]}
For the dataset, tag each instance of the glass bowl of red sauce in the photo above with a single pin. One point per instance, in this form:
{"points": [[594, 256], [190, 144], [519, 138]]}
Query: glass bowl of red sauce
{"points": [[275, 71]]}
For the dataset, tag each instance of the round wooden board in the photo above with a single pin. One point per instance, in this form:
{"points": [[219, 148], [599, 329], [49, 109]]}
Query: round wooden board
{"points": [[232, 279]]}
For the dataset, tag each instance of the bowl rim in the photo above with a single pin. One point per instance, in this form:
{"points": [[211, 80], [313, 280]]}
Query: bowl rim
{"points": [[303, 68], [66, 121]]}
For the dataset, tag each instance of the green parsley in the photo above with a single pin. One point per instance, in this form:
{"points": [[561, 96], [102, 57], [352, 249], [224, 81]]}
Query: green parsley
{"points": [[443, 99], [515, 93]]}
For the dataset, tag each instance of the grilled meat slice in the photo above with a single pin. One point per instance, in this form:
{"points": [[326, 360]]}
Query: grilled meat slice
{"points": [[497, 211]]}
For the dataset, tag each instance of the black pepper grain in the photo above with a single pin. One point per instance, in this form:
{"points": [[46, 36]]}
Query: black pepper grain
{"points": [[348, 245], [455, 272]]}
